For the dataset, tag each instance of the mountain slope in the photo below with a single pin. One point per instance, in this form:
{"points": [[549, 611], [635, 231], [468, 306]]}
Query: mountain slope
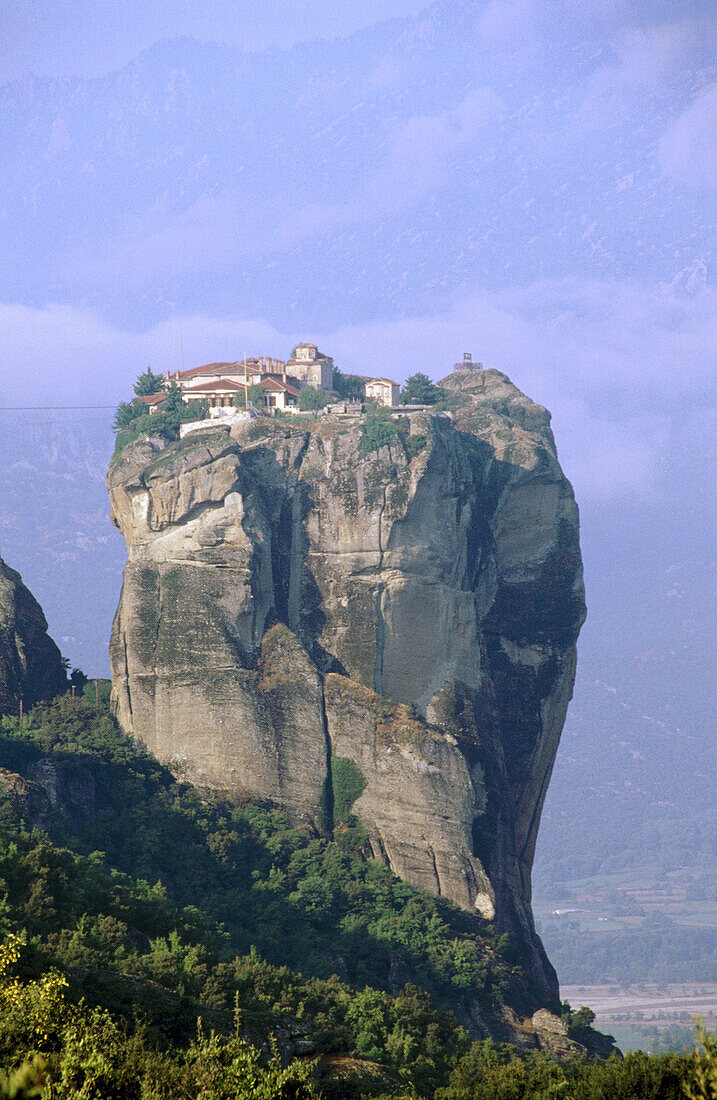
{"points": [[189, 905]]}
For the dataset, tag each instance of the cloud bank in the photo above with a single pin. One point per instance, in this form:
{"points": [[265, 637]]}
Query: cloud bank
{"points": [[221, 227], [623, 367], [688, 148]]}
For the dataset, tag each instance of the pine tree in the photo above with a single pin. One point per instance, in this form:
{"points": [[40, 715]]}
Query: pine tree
{"points": [[419, 390], [147, 383]]}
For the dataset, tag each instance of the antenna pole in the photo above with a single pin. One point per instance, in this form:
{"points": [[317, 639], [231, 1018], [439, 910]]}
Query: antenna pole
{"points": [[181, 349]]}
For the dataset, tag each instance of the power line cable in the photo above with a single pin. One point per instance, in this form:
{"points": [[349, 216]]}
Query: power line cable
{"points": [[50, 408]]}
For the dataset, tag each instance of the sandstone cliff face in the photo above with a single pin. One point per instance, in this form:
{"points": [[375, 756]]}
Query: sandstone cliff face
{"points": [[389, 634], [30, 662]]}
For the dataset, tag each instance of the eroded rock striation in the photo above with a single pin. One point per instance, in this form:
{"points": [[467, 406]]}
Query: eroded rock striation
{"points": [[386, 633], [30, 662]]}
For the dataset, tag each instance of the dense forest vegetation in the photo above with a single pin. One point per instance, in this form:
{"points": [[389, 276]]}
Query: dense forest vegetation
{"points": [[131, 909]]}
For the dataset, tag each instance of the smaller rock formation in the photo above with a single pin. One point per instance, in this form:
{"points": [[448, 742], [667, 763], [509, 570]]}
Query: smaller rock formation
{"points": [[50, 787], [30, 663]]}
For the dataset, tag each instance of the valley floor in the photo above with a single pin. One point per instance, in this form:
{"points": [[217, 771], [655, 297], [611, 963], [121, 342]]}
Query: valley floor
{"points": [[649, 1016], [633, 924]]}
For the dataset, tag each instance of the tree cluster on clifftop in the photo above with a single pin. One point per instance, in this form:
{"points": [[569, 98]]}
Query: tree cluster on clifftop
{"points": [[132, 418]]}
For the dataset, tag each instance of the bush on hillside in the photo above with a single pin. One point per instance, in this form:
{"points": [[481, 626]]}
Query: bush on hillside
{"points": [[347, 385], [163, 424], [378, 430], [147, 383], [255, 395], [126, 413], [52, 1047], [189, 909], [312, 398]]}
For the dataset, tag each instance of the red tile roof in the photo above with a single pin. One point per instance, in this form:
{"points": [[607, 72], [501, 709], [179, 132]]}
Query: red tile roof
{"points": [[253, 366], [151, 398], [275, 384], [221, 385]]}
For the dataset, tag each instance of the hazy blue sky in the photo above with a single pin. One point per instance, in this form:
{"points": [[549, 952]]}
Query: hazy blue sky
{"points": [[531, 180]]}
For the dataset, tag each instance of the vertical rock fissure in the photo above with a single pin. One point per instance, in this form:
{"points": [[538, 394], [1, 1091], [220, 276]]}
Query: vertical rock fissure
{"points": [[298, 461], [262, 585], [435, 869], [127, 676], [380, 643], [295, 564], [380, 527], [328, 791], [160, 608], [380, 622]]}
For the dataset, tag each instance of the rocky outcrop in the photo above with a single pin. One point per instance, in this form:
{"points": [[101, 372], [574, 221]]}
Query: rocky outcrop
{"points": [[29, 799], [49, 786], [411, 787], [387, 633], [30, 662]]}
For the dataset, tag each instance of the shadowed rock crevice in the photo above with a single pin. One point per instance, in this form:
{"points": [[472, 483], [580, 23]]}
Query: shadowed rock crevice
{"points": [[407, 616]]}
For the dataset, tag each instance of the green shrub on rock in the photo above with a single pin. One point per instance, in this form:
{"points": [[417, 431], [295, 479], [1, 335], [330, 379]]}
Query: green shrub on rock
{"points": [[378, 430], [313, 398], [348, 784]]}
